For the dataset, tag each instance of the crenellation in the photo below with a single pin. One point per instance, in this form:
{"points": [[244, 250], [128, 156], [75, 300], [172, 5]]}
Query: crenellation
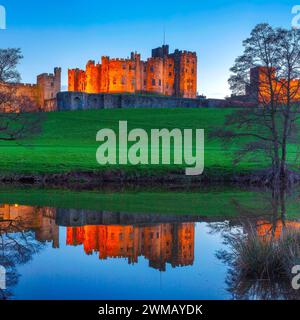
{"points": [[163, 73]]}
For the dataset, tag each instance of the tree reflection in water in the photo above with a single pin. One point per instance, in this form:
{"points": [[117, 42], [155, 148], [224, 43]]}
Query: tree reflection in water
{"points": [[260, 254], [17, 246]]}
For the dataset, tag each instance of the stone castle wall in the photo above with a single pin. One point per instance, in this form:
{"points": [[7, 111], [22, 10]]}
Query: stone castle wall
{"points": [[83, 101], [41, 96]]}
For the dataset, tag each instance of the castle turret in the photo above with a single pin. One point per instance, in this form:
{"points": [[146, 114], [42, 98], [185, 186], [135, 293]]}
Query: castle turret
{"points": [[49, 85]]}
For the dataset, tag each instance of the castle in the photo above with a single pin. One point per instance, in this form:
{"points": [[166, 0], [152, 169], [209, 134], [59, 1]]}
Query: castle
{"points": [[259, 88], [42, 94], [163, 74], [165, 80]]}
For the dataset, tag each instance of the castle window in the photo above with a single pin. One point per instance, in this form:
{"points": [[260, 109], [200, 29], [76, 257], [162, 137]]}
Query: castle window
{"points": [[145, 82], [151, 69], [123, 80], [193, 71], [170, 74], [153, 82], [145, 69], [52, 84], [159, 82], [187, 61], [124, 66], [114, 81], [170, 65]]}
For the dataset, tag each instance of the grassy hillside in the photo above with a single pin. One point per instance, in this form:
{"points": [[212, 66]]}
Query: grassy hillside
{"points": [[68, 140]]}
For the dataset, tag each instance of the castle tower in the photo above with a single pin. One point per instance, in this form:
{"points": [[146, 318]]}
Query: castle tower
{"points": [[104, 74], [185, 74], [259, 89], [93, 77], [49, 85]]}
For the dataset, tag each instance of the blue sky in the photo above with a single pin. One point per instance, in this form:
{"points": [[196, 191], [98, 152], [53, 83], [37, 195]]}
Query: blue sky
{"points": [[68, 33]]}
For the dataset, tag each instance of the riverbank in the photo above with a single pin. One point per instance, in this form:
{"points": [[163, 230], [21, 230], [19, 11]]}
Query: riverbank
{"points": [[64, 153], [139, 178]]}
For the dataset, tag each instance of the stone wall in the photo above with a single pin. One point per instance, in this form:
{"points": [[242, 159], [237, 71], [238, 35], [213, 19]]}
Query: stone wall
{"points": [[38, 97], [77, 217], [84, 101]]}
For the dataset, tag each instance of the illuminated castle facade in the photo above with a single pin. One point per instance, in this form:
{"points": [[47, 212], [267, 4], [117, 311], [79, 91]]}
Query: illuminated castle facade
{"points": [[164, 73], [260, 87]]}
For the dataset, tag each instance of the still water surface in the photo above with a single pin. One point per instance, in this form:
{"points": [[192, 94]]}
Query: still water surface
{"points": [[55, 253]]}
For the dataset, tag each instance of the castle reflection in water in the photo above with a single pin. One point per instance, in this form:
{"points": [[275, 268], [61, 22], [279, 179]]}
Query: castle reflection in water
{"points": [[160, 244], [111, 235], [161, 239]]}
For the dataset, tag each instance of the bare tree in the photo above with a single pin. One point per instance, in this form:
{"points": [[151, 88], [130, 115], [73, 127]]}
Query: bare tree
{"points": [[9, 59], [268, 72], [18, 116], [17, 247]]}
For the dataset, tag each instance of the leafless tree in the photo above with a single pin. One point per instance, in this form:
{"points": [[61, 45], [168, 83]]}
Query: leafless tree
{"points": [[17, 246], [18, 116], [271, 123]]}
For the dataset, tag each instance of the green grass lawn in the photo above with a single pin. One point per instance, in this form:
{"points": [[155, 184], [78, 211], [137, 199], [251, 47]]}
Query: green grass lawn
{"points": [[68, 141]]}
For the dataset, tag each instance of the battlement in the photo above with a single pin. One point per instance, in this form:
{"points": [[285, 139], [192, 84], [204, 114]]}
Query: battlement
{"points": [[57, 72], [162, 74], [185, 52], [23, 85], [119, 60], [48, 75], [91, 63]]}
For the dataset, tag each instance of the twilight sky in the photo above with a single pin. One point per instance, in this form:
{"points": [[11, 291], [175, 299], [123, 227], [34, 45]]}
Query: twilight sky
{"points": [[68, 33]]}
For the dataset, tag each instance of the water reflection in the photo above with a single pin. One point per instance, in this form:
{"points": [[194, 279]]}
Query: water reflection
{"points": [[41, 220], [160, 239], [18, 241], [261, 253], [160, 244]]}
